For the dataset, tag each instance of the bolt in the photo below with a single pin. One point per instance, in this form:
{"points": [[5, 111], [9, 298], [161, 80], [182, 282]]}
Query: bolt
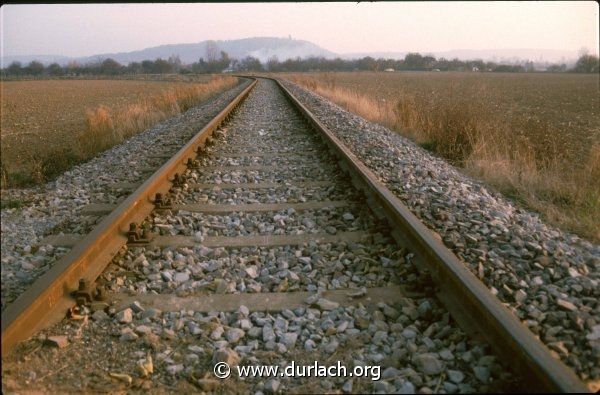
{"points": [[100, 293], [177, 180], [132, 234], [146, 233], [82, 295]]}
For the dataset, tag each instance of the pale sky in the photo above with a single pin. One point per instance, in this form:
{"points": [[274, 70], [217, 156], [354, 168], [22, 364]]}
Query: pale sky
{"points": [[82, 30]]}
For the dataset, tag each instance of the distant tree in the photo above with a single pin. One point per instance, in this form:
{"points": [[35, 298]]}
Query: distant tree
{"points": [[583, 51], [110, 67], [54, 69], [185, 69], [479, 64], [35, 68], [367, 63], [556, 68], [383, 64], [216, 65], [162, 66], [175, 63], [506, 68], [250, 63], [148, 67], [212, 50], [135, 68], [428, 62], [223, 62], [273, 63], [15, 69], [414, 61], [218, 61], [489, 66], [587, 64], [200, 66], [293, 65], [340, 64], [529, 67], [73, 67]]}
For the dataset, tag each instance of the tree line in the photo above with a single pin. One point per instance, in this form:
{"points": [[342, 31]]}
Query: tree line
{"points": [[219, 61]]}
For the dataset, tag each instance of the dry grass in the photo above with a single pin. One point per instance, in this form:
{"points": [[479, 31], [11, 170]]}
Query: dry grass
{"points": [[48, 126], [535, 138], [106, 127]]}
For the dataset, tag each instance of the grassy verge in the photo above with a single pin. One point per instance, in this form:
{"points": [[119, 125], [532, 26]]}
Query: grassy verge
{"points": [[521, 157], [105, 126]]}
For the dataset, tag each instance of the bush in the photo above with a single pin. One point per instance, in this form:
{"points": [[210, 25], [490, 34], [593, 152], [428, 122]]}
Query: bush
{"points": [[587, 64]]}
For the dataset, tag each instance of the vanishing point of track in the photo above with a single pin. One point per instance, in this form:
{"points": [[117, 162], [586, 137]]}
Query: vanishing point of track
{"points": [[470, 303]]}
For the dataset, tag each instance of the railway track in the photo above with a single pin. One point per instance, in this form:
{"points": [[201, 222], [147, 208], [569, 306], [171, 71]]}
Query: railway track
{"points": [[267, 239]]}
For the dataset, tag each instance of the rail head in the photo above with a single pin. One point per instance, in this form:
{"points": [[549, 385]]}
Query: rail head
{"points": [[472, 304], [47, 300]]}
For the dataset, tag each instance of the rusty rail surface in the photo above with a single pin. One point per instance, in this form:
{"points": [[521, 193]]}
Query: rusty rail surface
{"points": [[48, 299], [471, 304]]}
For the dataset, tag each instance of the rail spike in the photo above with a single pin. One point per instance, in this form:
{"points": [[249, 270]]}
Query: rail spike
{"points": [[192, 164], [83, 295], [178, 180], [138, 237], [162, 202]]}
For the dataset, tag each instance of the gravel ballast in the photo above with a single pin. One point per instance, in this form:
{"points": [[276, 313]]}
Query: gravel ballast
{"points": [[547, 277], [55, 207], [411, 337]]}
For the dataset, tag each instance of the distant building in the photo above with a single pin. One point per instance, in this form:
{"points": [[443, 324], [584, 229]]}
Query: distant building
{"points": [[389, 70]]}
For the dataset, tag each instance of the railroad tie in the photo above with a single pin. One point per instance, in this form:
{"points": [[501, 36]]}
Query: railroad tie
{"points": [[70, 240], [263, 154], [101, 208], [129, 186], [263, 301], [263, 185]]}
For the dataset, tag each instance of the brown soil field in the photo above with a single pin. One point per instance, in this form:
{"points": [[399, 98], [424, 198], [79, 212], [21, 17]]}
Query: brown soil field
{"points": [[568, 104], [533, 136], [38, 116]]}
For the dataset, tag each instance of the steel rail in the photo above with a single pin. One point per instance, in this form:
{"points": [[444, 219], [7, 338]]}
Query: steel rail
{"points": [[48, 299], [471, 304]]}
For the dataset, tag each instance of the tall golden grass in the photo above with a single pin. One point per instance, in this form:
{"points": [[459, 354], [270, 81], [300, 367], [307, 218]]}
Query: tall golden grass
{"points": [[523, 158], [106, 127], [49, 126]]}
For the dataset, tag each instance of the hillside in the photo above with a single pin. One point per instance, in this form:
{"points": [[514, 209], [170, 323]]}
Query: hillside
{"points": [[285, 48], [260, 47]]}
